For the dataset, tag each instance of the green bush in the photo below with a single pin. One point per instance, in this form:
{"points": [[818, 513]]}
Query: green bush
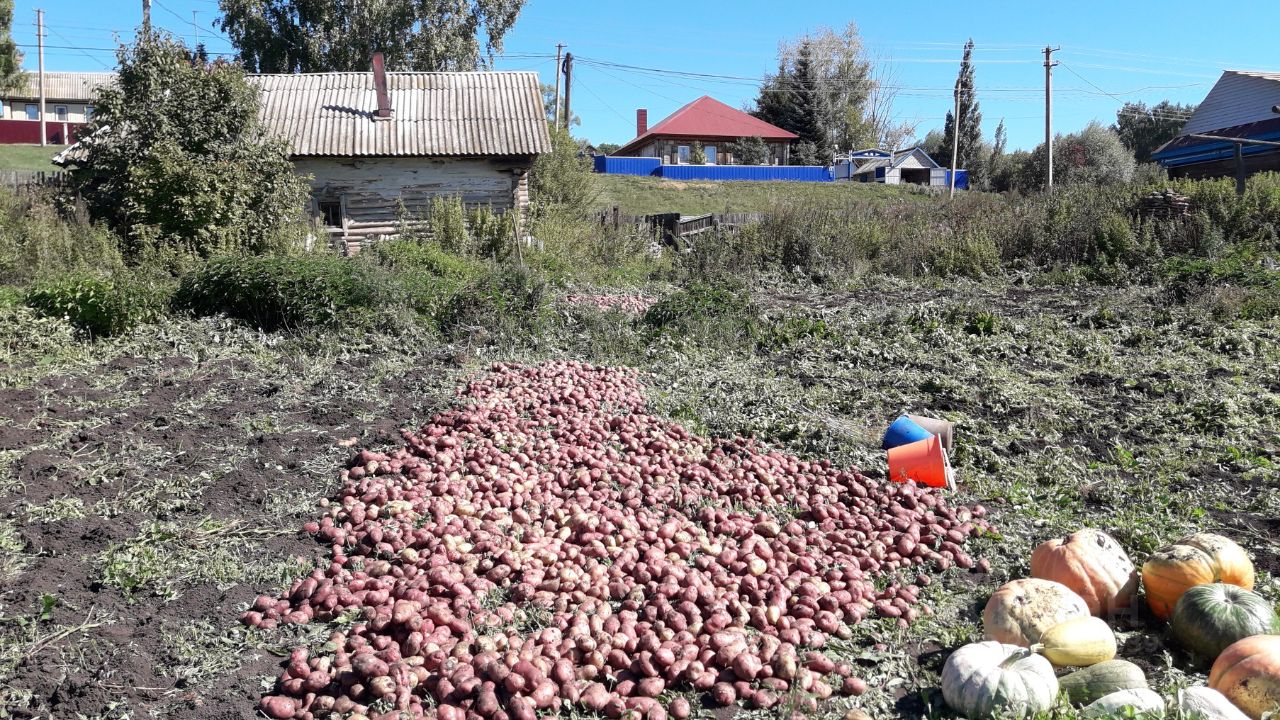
{"points": [[175, 155], [506, 298], [563, 177], [98, 306], [37, 240], [699, 301], [274, 292], [423, 256]]}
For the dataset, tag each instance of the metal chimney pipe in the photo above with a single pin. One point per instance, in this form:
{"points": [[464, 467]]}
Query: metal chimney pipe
{"points": [[380, 85]]}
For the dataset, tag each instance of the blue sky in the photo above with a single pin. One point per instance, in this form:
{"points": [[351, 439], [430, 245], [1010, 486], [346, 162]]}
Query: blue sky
{"points": [[1111, 51]]}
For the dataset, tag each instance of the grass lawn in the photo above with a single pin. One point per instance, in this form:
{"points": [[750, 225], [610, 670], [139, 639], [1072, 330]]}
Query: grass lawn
{"points": [[644, 195], [29, 157]]}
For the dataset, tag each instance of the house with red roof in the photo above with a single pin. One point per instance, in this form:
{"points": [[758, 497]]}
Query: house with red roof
{"points": [[709, 123]]}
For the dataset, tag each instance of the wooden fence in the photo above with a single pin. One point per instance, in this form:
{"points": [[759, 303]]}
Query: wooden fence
{"points": [[31, 180]]}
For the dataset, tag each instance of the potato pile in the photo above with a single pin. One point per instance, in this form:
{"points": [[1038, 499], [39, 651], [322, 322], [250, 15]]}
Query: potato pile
{"points": [[634, 304], [549, 542]]}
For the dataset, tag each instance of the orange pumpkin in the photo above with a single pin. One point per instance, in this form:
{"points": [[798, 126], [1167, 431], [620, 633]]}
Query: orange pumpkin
{"points": [[1091, 563], [1233, 564], [1248, 674], [1194, 560]]}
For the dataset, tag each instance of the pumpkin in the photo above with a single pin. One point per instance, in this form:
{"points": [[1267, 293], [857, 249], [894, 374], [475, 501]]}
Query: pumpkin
{"points": [[981, 679], [1141, 700], [1248, 674], [1020, 611], [1203, 703], [1194, 560], [1208, 618], [1093, 565], [1078, 642], [1232, 564], [1088, 684]]}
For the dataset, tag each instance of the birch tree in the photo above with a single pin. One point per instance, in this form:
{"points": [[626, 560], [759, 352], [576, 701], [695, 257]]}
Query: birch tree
{"points": [[282, 36]]}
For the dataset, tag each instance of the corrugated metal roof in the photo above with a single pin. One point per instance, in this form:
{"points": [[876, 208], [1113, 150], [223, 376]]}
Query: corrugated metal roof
{"points": [[1239, 97], [433, 114], [62, 86], [707, 117]]}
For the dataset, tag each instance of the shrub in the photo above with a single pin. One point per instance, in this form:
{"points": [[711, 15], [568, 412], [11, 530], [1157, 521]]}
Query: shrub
{"points": [[563, 177], [419, 255], [98, 306], [274, 292], [175, 155], [699, 301], [447, 225], [38, 241], [749, 151], [506, 298]]}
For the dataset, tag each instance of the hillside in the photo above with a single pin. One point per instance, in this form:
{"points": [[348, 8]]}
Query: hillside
{"points": [[643, 195]]}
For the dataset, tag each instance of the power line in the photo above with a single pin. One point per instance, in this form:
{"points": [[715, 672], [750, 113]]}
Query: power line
{"points": [[82, 52]]}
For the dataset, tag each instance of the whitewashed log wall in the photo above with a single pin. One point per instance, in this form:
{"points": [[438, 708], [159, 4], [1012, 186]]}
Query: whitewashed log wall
{"points": [[376, 193]]}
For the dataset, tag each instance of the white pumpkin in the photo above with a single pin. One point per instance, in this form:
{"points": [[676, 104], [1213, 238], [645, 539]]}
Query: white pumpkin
{"points": [[1205, 703], [1142, 700], [983, 678]]}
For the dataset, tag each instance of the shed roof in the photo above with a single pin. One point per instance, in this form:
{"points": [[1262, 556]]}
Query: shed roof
{"points": [[61, 86], [1237, 98], [433, 114], [707, 117], [898, 158]]}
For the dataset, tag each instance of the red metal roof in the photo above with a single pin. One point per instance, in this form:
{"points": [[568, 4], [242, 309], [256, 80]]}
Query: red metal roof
{"points": [[707, 117]]}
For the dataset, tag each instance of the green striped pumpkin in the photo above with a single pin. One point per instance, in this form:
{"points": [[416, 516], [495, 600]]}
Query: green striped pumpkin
{"points": [[1088, 684], [1210, 617]]}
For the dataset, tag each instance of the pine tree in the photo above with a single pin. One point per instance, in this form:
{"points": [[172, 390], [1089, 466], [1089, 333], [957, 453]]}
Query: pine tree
{"points": [[11, 75], [970, 117], [809, 103]]}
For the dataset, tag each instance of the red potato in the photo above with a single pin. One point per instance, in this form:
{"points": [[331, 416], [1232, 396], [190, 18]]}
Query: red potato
{"points": [[278, 707], [552, 489]]}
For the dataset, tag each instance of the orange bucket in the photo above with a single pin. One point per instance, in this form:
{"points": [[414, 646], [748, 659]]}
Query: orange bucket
{"points": [[924, 461]]}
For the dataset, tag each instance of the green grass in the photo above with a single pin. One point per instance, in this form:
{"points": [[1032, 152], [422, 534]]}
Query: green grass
{"points": [[29, 157], [635, 195]]}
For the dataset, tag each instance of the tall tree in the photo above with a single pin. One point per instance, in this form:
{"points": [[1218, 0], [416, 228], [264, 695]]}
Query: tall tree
{"points": [[825, 80], [11, 75], [812, 119], [1144, 129], [1001, 140], [175, 157], [310, 36], [970, 126]]}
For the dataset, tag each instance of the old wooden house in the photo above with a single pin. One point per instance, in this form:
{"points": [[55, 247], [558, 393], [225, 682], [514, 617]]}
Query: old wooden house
{"points": [[379, 146]]}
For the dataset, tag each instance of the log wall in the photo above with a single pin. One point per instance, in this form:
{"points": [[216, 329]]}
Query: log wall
{"points": [[376, 193]]}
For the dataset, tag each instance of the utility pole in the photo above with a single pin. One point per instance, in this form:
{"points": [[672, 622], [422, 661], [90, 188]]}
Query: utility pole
{"points": [[955, 140], [559, 49], [195, 23], [1049, 64], [44, 137], [568, 89], [146, 15]]}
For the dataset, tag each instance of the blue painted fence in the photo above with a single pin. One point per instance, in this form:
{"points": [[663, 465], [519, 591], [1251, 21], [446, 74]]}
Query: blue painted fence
{"points": [[962, 179], [627, 165], [793, 173], [654, 167]]}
